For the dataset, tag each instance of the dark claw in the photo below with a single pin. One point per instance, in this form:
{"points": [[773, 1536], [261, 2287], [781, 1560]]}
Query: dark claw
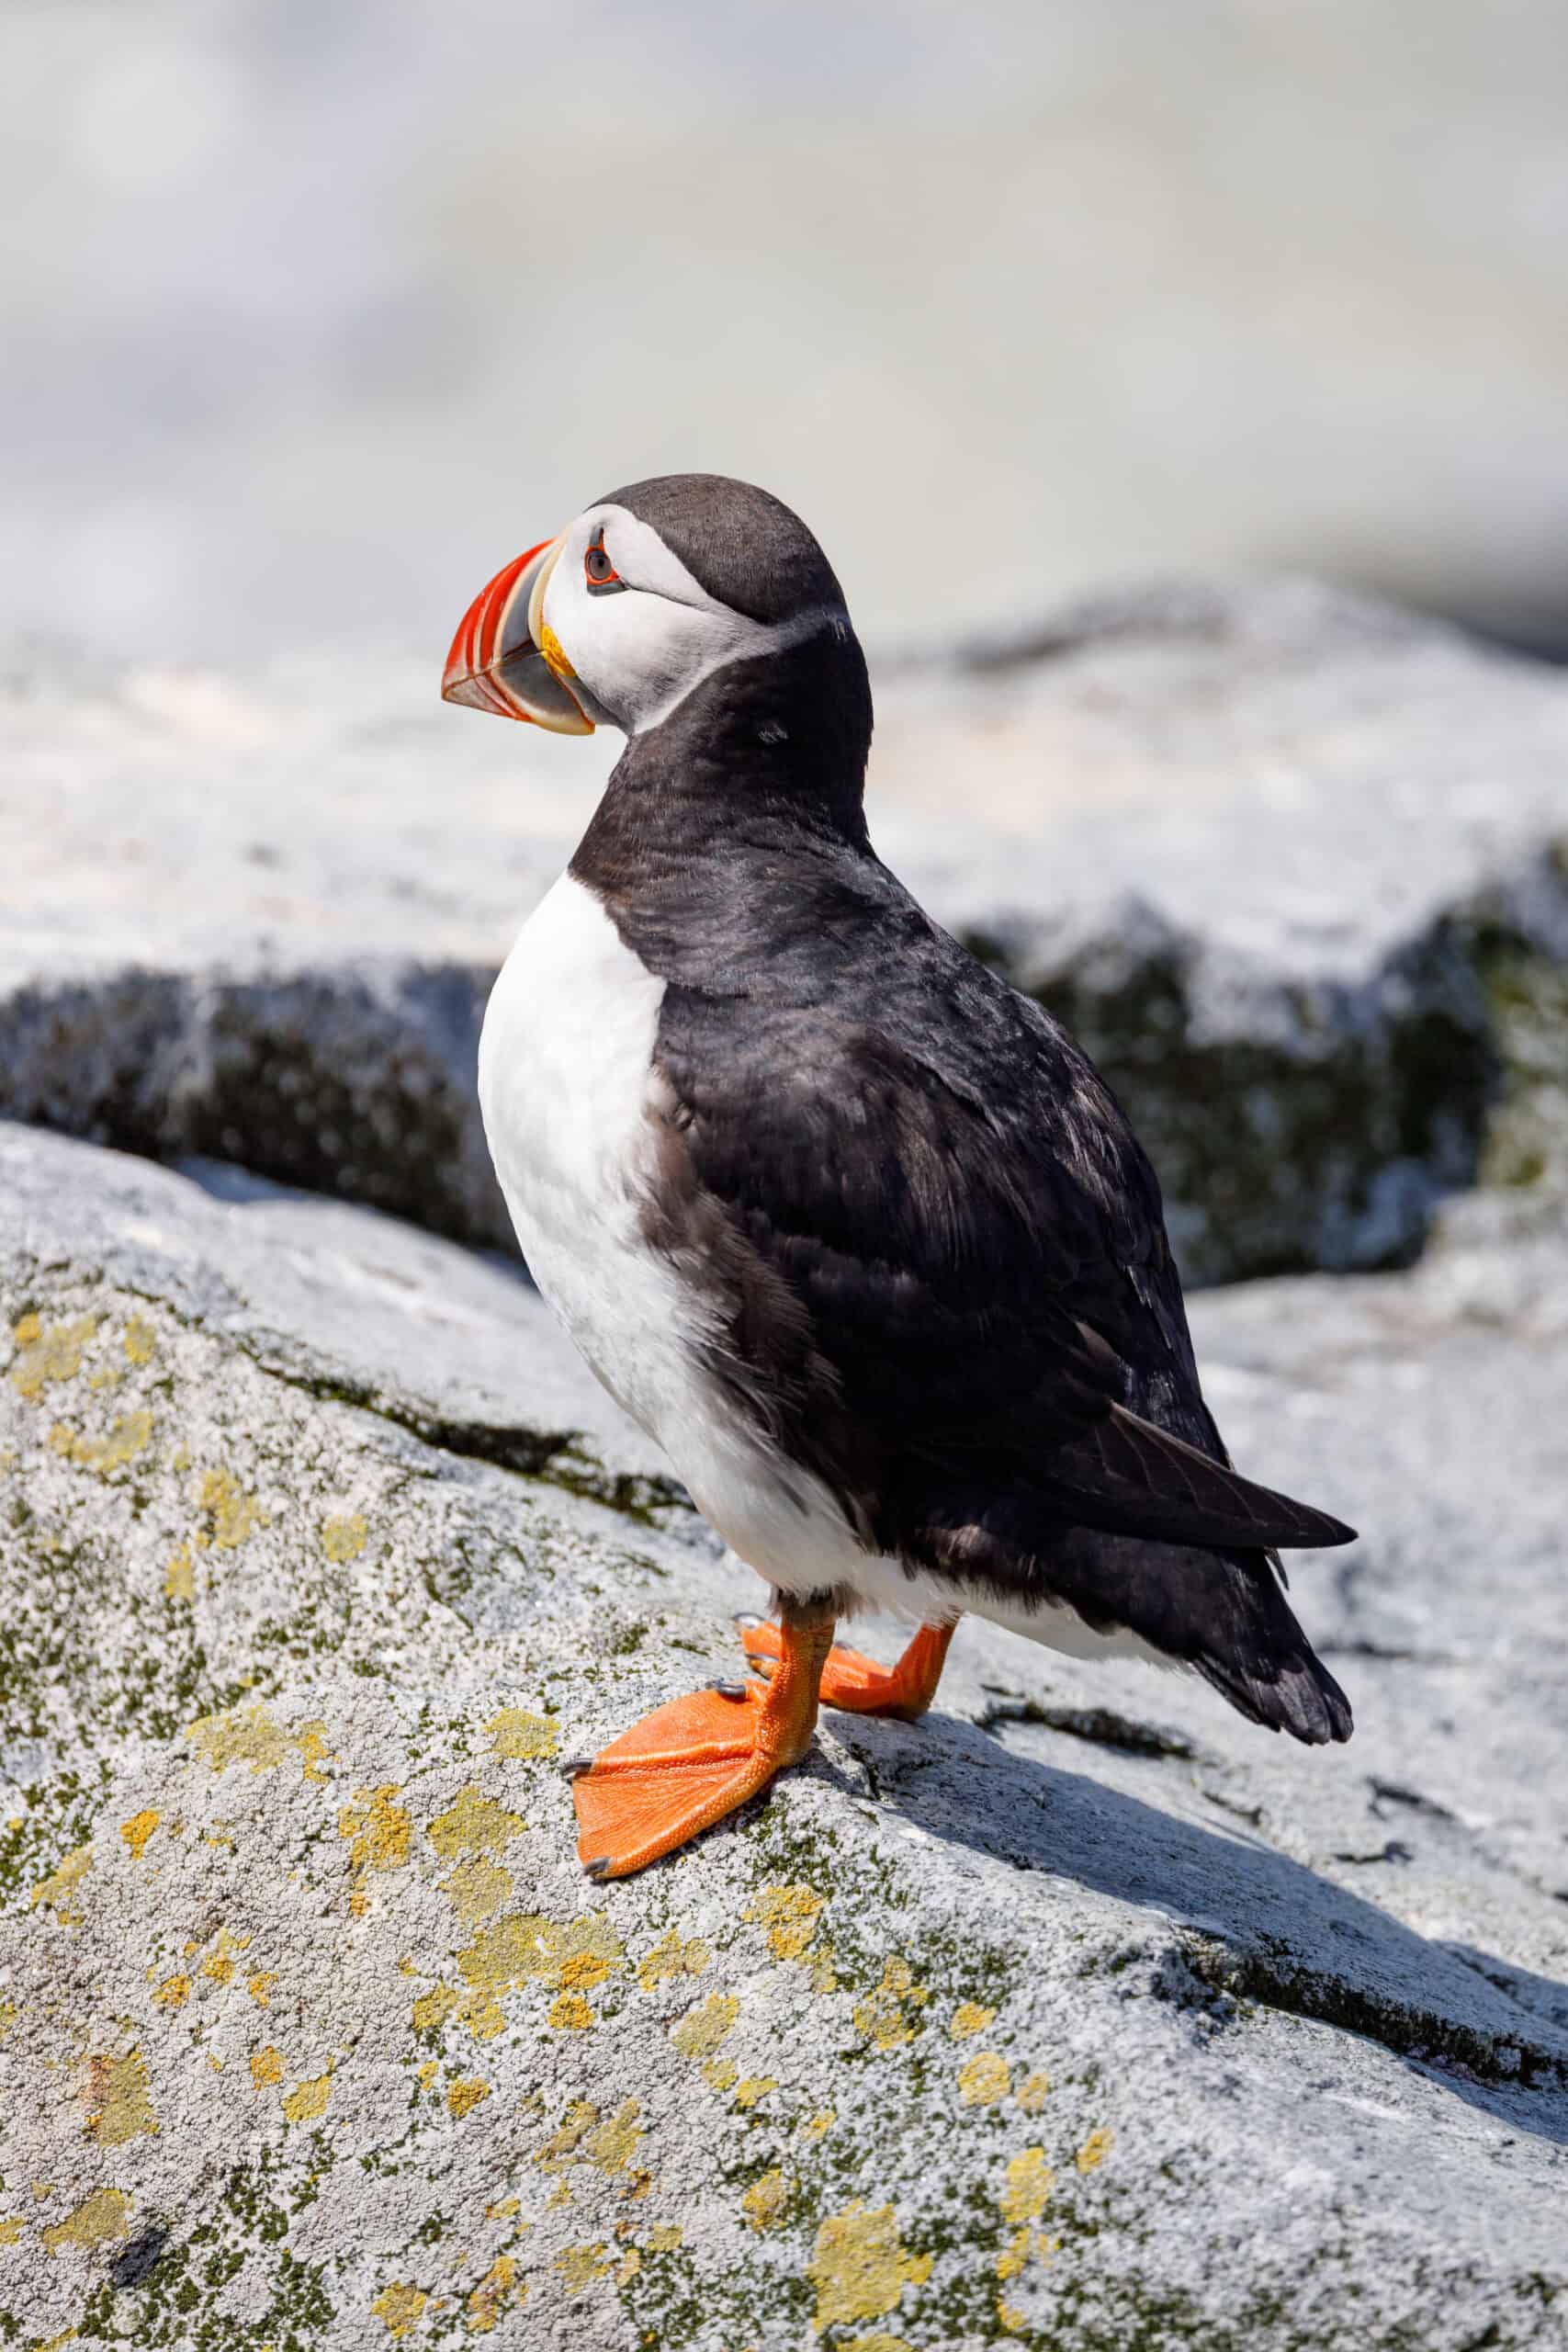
{"points": [[599, 1868], [575, 1765], [728, 1690]]}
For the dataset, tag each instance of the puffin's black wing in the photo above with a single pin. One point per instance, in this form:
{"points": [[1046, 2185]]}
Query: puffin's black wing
{"points": [[941, 1251]]}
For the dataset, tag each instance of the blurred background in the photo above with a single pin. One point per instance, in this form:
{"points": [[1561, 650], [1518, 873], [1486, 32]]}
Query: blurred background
{"points": [[318, 309]]}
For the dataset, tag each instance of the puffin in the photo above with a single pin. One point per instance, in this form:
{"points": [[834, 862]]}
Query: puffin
{"points": [[852, 1229]]}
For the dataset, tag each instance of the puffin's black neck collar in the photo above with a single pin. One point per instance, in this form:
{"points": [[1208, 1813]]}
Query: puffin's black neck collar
{"points": [[764, 750]]}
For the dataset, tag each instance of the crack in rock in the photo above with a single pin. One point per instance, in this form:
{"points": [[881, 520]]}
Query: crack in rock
{"points": [[1276, 1978], [1102, 1726]]}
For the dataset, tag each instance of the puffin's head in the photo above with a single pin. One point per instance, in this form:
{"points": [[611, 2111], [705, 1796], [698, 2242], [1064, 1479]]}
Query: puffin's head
{"points": [[649, 591]]}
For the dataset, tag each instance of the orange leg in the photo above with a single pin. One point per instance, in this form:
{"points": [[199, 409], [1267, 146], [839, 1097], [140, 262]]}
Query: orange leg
{"points": [[692, 1761], [856, 1683]]}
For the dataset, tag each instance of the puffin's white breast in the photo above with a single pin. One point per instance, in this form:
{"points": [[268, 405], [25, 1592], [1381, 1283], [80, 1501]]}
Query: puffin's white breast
{"points": [[565, 1074], [569, 1098]]}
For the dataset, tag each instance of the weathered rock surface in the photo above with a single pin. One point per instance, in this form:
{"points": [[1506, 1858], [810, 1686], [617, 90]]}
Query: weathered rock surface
{"points": [[1082, 2014], [1292, 863]]}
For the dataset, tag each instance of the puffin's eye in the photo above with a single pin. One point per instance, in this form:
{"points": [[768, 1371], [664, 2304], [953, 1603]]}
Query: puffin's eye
{"points": [[601, 573]]}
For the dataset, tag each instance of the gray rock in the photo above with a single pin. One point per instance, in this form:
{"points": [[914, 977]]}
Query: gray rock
{"points": [[1292, 862], [1081, 2013]]}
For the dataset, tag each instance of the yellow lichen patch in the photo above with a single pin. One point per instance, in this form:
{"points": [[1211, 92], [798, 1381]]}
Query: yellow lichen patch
{"points": [[1020, 2246], [1032, 2092], [489, 2299], [308, 2099], [1014, 2256], [614, 2143], [878, 2342], [1030, 2181], [476, 1890], [582, 1971], [106, 1376], [235, 1515], [98, 2219], [220, 1962], [259, 1986], [467, 2093], [54, 1353], [521, 1949], [139, 1339], [790, 1915], [122, 2109], [310, 1739], [561, 2147], [885, 2015], [968, 2018], [138, 1829], [1010, 2318], [503, 2208], [627, 2268], [427, 2074], [398, 2306], [671, 1957], [718, 2073], [764, 2202], [815, 2125], [983, 2080], [570, 2012], [266, 2066], [754, 2089], [344, 1536], [579, 2265], [435, 2008], [473, 1824], [859, 2267], [172, 1992], [665, 2240], [179, 1577], [11, 2229], [9, 2013], [1095, 2150], [380, 1831], [700, 2032], [61, 1892], [515, 1733], [131, 1433], [240, 1735]]}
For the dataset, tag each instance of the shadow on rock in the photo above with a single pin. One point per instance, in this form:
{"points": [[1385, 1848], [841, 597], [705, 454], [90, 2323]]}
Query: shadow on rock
{"points": [[1251, 1925]]}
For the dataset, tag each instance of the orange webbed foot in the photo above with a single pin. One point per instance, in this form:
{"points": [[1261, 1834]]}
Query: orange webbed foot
{"points": [[679, 1769], [855, 1683], [694, 1759]]}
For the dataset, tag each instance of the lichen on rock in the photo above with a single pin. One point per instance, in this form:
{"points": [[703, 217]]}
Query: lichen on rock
{"points": [[1000, 2027]]}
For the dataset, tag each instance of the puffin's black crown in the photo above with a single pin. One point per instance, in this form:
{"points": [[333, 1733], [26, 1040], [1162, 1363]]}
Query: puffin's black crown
{"points": [[742, 544]]}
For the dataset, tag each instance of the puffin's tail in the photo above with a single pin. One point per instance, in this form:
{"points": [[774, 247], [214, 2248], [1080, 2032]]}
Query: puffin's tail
{"points": [[1221, 1613], [1265, 1665]]}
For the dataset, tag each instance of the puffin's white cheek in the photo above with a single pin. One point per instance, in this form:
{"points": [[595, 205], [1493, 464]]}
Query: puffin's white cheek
{"points": [[638, 653]]}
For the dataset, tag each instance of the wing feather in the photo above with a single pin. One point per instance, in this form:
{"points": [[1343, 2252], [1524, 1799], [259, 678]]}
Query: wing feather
{"points": [[942, 1251]]}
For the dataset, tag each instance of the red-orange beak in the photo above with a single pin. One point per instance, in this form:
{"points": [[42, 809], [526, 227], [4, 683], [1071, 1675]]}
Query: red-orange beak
{"points": [[505, 658]]}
